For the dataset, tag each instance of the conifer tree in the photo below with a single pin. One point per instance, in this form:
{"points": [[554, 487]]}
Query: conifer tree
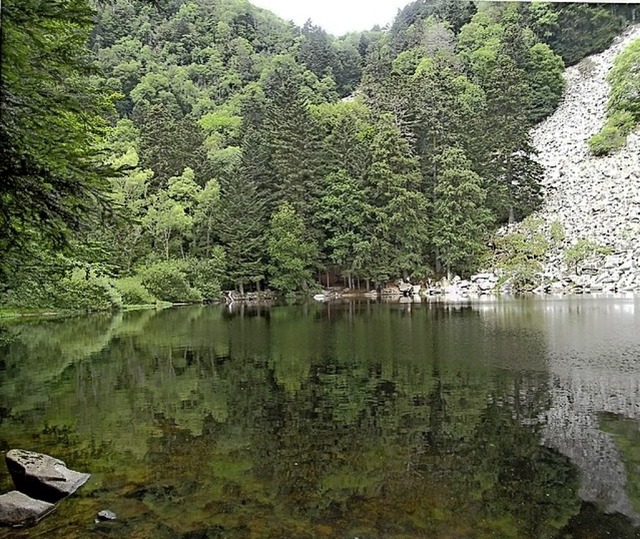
{"points": [[240, 229], [461, 220]]}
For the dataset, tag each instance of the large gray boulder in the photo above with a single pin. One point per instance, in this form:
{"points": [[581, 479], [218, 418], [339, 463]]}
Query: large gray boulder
{"points": [[18, 509], [43, 477]]}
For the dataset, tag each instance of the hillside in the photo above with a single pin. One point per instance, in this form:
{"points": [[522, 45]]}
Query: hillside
{"points": [[170, 149], [595, 199]]}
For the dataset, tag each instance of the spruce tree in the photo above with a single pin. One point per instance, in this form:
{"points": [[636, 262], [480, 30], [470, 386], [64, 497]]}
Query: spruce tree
{"points": [[240, 230]]}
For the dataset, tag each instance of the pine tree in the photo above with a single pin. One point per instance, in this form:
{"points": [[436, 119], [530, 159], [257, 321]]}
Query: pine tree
{"points": [[398, 230], [54, 176], [460, 217], [291, 141], [240, 230], [343, 212]]}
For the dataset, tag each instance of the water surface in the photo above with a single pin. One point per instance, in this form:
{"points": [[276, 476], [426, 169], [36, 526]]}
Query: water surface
{"points": [[499, 419]]}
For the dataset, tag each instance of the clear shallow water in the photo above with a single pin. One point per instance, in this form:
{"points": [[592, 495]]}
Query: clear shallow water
{"points": [[502, 419]]}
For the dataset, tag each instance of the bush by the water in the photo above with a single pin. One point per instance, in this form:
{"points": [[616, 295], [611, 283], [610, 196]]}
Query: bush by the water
{"points": [[207, 274], [520, 254], [84, 291], [167, 281], [133, 292]]}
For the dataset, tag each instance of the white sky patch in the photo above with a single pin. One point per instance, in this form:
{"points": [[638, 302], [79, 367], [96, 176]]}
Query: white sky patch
{"points": [[336, 16]]}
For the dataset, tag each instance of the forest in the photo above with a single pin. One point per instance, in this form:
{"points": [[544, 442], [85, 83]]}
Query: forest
{"points": [[169, 149]]}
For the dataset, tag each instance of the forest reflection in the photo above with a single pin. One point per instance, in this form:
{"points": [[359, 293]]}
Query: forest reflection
{"points": [[342, 420]]}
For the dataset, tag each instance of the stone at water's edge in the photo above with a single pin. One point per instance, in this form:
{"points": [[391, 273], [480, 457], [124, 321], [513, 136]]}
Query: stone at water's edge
{"points": [[18, 509], [43, 477]]}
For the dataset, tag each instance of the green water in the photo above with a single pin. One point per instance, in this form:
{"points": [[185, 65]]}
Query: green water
{"points": [[355, 420]]}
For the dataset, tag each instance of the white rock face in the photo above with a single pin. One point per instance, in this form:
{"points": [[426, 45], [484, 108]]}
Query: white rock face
{"points": [[594, 198]]}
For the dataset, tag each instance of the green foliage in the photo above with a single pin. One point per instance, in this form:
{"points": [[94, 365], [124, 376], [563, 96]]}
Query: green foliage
{"points": [[613, 134], [168, 281], [623, 111], [398, 228], [291, 173], [54, 176], [343, 212], [290, 251], [520, 254], [587, 67], [581, 29], [207, 274], [546, 83], [133, 292], [84, 291], [240, 227], [225, 114], [460, 217], [557, 232], [581, 250]]}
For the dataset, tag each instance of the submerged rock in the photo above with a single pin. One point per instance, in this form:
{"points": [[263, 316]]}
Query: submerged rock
{"points": [[43, 477], [105, 514], [18, 509]]}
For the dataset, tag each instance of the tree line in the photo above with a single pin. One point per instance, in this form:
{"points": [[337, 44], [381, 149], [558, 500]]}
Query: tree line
{"points": [[168, 149]]}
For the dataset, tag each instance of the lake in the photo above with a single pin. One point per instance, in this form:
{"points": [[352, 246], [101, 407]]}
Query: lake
{"points": [[503, 418]]}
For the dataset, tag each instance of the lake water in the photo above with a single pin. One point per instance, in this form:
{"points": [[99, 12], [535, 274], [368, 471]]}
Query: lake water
{"points": [[514, 418]]}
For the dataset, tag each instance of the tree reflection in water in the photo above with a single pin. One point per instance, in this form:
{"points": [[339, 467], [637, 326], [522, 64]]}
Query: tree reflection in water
{"points": [[356, 420]]}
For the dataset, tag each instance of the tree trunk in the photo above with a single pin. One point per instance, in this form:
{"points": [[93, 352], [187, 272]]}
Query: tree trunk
{"points": [[327, 276], [166, 247], [438, 263], [242, 288]]}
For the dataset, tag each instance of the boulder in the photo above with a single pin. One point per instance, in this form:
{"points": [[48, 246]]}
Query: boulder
{"points": [[43, 477], [18, 509]]}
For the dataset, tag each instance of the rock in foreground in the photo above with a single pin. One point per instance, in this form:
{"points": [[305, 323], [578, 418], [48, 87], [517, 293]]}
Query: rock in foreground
{"points": [[43, 477], [18, 509]]}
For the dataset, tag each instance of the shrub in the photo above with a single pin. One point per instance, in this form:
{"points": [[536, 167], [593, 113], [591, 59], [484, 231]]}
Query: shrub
{"points": [[613, 135], [587, 68], [520, 254], [167, 281], [84, 291], [206, 275], [582, 250], [557, 232], [133, 292]]}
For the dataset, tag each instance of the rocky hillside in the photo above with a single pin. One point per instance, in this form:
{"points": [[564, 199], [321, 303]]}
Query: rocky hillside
{"points": [[593, 201]]}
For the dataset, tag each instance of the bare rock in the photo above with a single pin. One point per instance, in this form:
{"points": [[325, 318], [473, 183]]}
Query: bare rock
{"points": [[43, 477], [18, 509]]}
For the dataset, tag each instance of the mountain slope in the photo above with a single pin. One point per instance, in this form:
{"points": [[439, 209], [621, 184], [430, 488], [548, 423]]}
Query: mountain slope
{"points": [[595, 199]]}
